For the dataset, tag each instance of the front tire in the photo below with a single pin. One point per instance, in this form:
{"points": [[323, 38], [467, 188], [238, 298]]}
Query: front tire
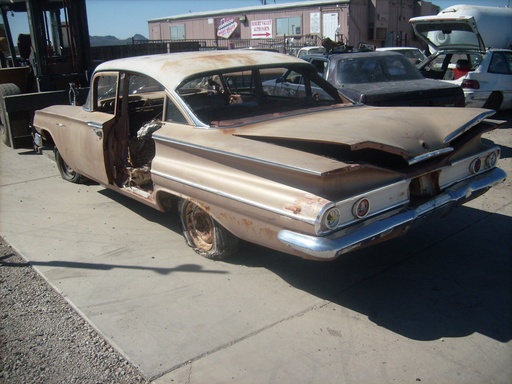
{"points": [[65, 171], [207, 237]]}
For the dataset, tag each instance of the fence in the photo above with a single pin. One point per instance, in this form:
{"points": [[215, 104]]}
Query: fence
{"points": [[282, 44]]}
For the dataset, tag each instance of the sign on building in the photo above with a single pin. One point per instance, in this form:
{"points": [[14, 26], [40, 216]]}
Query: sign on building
{"points": [[261, 29], [227, 27], [314, 22]]}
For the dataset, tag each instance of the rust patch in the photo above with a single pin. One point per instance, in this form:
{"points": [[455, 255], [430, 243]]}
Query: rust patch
{"points": [[268, 233], [247, 223], [293, 208], [307, 204]]}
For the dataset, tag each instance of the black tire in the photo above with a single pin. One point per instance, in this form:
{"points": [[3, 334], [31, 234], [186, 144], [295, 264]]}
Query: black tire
{"points": [[6, 90], [207, 237], [65, 171], [494, 101]]}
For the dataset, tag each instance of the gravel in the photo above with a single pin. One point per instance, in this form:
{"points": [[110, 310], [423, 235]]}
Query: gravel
{"points": [[43, 339]]}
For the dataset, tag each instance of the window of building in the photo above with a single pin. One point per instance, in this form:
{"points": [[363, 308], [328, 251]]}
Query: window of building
{"points": [[289, 26], [177, 32]]}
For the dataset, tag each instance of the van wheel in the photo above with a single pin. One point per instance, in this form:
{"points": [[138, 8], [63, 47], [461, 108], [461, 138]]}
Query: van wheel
{"points": [[65, 171], [207, 237], [6, 90], [494, 101]]}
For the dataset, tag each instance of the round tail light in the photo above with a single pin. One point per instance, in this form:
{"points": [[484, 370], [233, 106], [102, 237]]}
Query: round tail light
{"points": [[475, 166], [491, 160], [361, 208]]}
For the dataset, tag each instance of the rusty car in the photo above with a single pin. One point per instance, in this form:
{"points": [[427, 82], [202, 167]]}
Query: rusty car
{"points": [[310, 174]]}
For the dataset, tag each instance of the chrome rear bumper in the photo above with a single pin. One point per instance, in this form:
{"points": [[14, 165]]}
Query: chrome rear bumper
{"points": [[393, 223]]}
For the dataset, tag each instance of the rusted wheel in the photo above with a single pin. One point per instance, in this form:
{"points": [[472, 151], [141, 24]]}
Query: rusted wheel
{"points": [[207, 237]]}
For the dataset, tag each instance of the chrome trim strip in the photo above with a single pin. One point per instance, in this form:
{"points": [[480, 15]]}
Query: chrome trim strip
{"points": [[468, 125], [429, 155], [95, 125], [217, 192], [165, 139], [354, 237]]}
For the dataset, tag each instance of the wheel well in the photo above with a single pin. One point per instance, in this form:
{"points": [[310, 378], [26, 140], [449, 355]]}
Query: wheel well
{"points": [[47, 137], [167, 201]]}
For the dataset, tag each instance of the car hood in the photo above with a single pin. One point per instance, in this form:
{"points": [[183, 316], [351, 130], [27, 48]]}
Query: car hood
{"points": [[445, 32], [411, 133]]}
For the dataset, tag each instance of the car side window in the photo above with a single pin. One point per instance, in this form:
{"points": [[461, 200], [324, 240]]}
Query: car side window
{"points": [[500, 64], [173, 114], [105, 89]]}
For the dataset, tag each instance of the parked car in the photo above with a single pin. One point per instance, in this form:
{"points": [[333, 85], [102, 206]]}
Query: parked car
{"points": [[309, 174], [462, 57], [304, 51], [415, 55], [485, 77], [383, 79], [490, 84]]}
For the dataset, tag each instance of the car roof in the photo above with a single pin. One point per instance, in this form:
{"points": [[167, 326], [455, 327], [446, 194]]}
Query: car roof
{"points": [[172, 68]]}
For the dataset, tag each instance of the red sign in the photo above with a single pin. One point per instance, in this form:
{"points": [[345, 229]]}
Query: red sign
{"points": [[227, 26]]}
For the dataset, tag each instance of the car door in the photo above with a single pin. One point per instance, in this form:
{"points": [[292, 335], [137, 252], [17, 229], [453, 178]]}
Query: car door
{"points": [[93, 127]]}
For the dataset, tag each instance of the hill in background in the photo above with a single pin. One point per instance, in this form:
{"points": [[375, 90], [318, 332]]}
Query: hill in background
{"points": [[99, 41]]}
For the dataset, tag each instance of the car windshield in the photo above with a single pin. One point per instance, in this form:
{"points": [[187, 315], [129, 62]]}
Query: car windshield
{"points": [[373, 69], [232, 98]]}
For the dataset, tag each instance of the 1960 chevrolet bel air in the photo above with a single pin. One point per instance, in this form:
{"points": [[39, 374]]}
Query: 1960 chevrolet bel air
{"points": [[308, 173]]}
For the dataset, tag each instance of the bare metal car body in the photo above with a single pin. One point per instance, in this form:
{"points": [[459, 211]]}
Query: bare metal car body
{"points": [[310, 174]]}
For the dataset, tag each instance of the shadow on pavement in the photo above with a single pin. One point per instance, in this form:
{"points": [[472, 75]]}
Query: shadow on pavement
{"points": [[417, 288]]}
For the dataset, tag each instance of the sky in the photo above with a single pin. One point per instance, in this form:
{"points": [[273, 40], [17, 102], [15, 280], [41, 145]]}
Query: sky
{"points": [[125, 18]]}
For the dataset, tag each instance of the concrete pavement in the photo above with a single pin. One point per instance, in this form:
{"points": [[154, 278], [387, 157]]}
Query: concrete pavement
{"points": [[433, 306]]}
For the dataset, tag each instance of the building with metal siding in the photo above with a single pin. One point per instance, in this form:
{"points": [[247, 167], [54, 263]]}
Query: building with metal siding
{"points": [[377, 22]]}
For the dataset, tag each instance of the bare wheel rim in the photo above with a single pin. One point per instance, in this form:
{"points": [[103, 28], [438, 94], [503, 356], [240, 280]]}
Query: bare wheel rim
{"points": [[200, 226], [66, 168]]}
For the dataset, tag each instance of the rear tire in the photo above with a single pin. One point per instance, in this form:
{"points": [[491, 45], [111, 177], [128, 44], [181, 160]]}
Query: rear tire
{"points": [[494, 101], [66, 172], [6, 90], [207, 237]]}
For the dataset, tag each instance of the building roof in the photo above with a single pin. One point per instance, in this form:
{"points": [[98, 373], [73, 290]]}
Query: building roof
{"points": [[170, 69], [270, 7]]}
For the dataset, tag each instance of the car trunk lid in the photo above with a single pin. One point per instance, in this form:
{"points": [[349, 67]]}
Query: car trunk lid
{"points": [[408, 133], [448, 32]]}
